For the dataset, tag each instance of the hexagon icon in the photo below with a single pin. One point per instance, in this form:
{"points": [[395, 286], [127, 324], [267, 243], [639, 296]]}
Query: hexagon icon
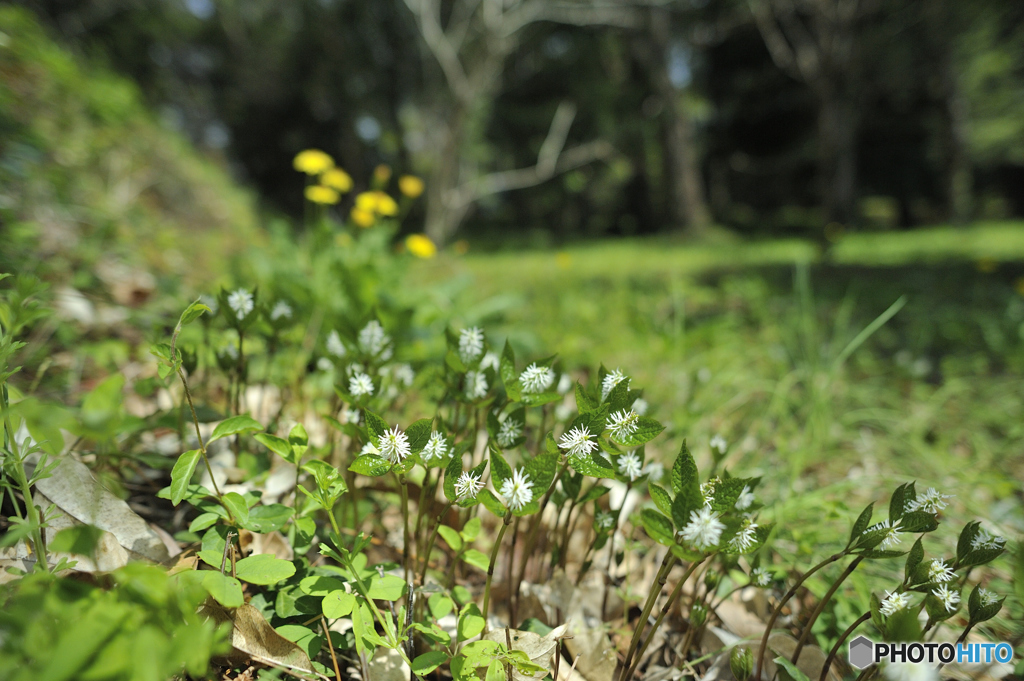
{"points": [[862, 652]]}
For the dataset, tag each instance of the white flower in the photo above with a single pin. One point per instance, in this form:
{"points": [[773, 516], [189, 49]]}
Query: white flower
{"points": [[577, 441], [609, 382], [564, 384], [707, 491], [517, 490], [930, 501], [476, 385], [939, 572], [324, 364], [509, 432], [892, 537], [910, 671], [369, 448], [604, 521], [949, 599], [490, 360], [622, 424], [360, 384], [230, 351], [535, 379], [654, 470], [436, 447], [241, 303], [744, 539], [281, 310], [745, 499], [640, 406], [372, 339], [403, 374], [351, 416], [394, 445], [471, 344], [718, 444], [467, 486], [760, 577], [629, 465], [984, 540], [893, 602], [334, 345], [704, 529], [987, 597]]}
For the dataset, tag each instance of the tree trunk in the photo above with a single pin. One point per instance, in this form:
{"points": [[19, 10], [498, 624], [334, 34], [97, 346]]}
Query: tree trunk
{"points": [[837, 157]]}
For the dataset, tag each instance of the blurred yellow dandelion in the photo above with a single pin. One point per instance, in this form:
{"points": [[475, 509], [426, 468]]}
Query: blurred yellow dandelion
{"points": [[420, 245], [410, 186], [362, 217], [382, 173], [367, 201], [312, 162], [386, 205], [338, 179], [322, 195]]}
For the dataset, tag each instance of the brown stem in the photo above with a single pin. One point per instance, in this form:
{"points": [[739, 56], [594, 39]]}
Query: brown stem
{"points": [[532, 539], [490, 566], [666, 565], [821, 607], [330, 646], [842, 639], [430, 544]]}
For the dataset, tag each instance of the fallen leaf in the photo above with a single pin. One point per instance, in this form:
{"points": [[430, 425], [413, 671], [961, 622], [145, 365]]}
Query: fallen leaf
{"points": [[254, 638], [538, 648], [387, 665]]}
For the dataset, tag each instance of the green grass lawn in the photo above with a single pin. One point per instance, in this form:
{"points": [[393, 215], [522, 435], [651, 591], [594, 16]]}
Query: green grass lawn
{"points": [[741, 339]]}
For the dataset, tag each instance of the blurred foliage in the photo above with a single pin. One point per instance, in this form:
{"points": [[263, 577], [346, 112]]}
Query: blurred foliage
{"points": [[93, 187]]}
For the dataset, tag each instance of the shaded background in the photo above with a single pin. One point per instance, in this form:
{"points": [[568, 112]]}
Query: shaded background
{"points": [[769, 117]]}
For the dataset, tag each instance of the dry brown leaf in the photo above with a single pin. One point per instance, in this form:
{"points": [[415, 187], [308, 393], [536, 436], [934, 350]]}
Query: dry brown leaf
{"points": [[252, 637], [538, 648], [597, 654]]}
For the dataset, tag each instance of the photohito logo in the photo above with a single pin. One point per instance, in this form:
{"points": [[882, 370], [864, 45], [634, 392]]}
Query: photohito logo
{"points": [[865, 652]]}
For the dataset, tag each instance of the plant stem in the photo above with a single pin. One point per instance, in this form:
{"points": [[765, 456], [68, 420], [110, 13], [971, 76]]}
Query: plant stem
{"points": [[202, 446], [406, 558], [821, 607], [661, 617], [534, 529], [842, 639], [430, 543], [782, 603], [659, 583], [490, 566], [34, 521]]}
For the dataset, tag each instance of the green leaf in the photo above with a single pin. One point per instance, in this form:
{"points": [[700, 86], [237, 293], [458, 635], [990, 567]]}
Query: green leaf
{"points": [[477, 559], [225, 590], [297, 436], [203, 521], [192, 313], [276, 444], [375, 424], [499, 467], [264, 569], [471, 530], [371, 465], [491, 503], [338, 604], [440, 605], [913, 560], [181, 474], [451, 474], [541, 471], [789, 671], [918, 521], [661, 498], [428, 662], [320, 585], [861, 524], [658, 527], [585, 402], [471, 621], [450, 536], [594, 465], [78, 539], [646, 430], [242, 423], [595, 492], [963, 544], [495, 671], [235, 504], [897, 503], [684, 473], [419, 434], [269, 518], [386, 588], [727, 491]]}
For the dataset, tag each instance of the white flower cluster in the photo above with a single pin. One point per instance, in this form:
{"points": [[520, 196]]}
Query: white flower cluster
{"points": [[629, 466], [984, 540], [476, 385], [950, 599], [609, 382], [436, 447], [535, 379], [517, 490], [334, 345], [471, 344], [893, 603], [241, 303], [892, 537], [510, 431], [704, 529], [939, 572], [577, 441], [759, 576], [745, 499], [745, 538], [394, 445], [929, 501], [373, 341], [467, 486], [282, 310], [622, 424], [360, 384]]}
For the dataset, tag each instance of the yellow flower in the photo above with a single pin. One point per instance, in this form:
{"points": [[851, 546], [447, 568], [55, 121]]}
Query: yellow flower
{"points": [[381, 174], [362, 218], [336, 178], [367, 202], [420, 245], [386, 205], [320, 194], [410, 186], [312, 162]]}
